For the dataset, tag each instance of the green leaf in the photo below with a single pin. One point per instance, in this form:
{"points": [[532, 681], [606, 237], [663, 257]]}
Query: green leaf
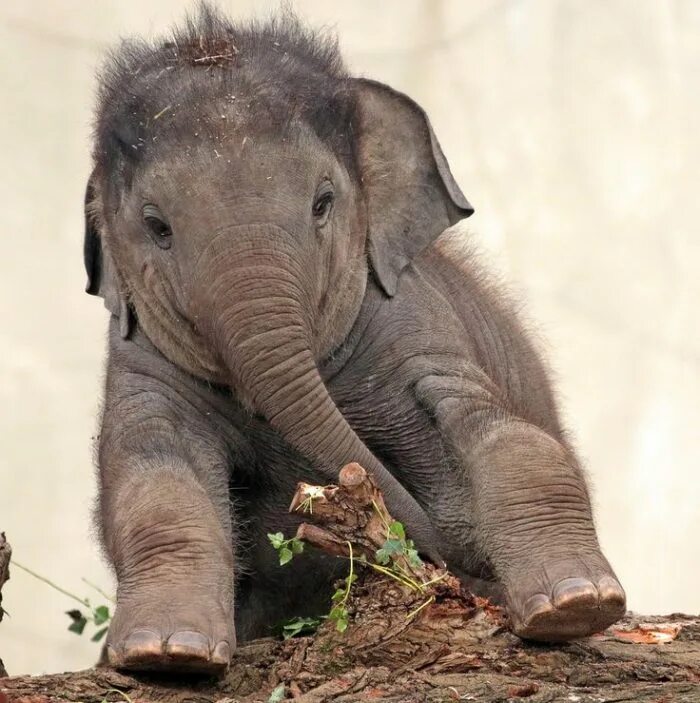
{"points": [[277, 695], [79, 621], [393, 546], [277, 539], [78, 626], [388, 550], [286, 555], [338, 595], [298, 626], [297, 545], [396, 529], [382, 556], [339, 613], [99, 634], [101, 615], [413, 558]]}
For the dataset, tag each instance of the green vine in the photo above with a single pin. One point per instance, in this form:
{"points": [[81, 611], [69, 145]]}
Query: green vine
{"points": [[99, 616], [286, 548], [339, 611], [390, 560]]}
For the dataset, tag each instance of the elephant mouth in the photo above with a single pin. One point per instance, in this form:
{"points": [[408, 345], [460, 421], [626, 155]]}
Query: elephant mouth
{"points": [[178, 337]]}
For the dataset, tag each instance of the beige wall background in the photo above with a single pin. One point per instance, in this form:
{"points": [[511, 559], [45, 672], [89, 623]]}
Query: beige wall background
{"points": [[572, 125]]}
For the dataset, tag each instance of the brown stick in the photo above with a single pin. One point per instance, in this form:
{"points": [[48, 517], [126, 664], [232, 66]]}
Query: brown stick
{"points": [[354, 513]]}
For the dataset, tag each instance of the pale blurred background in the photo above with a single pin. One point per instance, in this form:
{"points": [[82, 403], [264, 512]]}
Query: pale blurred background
{"points": [[573, 128]]}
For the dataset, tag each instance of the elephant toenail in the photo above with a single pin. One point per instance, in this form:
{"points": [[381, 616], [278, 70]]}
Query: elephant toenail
{"points": [[112, 656], [142, 643], [575, 592], [188, 644], [611, 593], [536, 605], [221, 654]]}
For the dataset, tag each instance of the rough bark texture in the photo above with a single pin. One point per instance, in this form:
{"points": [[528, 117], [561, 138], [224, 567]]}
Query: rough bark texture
{"points": [[5, 554], [431, 641]]}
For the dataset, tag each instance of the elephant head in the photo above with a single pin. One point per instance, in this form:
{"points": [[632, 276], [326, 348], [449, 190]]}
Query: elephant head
{"points": [[244, 189]]}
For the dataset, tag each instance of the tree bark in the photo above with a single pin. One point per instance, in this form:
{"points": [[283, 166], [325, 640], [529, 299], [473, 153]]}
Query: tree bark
{"points": [[5, 554], [413, 634]]}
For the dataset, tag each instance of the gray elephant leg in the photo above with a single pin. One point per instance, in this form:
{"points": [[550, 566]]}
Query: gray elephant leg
{"points": [[530, 510], [165, 519]]}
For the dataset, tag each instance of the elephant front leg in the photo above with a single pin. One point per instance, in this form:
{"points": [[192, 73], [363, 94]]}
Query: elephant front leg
{"points": [[165, 515], [174, 567], [532, 516], [534, 520]]}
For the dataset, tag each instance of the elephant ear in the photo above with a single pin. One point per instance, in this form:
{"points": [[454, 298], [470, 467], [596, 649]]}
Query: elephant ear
{"points": [[411, 194], [101, 275]]}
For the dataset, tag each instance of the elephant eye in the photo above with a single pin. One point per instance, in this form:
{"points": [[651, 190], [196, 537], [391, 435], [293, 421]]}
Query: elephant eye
{"points": [[158, 228], [323, 203]]}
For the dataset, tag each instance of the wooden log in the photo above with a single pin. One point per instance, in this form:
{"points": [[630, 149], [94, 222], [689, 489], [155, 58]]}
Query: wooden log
{"points": [[403, 643], [478, 665]]}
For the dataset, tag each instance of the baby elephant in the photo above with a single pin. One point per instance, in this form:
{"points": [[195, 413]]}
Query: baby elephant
{"points": [[271, 236]]}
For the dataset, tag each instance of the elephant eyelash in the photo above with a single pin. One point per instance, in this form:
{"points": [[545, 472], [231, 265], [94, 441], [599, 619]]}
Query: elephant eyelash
{"points": [[159, 229], [323, 203]]}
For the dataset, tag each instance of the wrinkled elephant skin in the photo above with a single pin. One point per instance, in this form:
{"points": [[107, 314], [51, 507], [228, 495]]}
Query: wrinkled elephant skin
{"points": [[273, 239]]}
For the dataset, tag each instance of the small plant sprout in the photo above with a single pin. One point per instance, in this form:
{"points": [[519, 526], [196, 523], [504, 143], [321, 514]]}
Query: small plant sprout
{"points": [[300, 626], [396, 544], [98, 615], [389, 560], [339, 611], [395, 559], [286, 548]]}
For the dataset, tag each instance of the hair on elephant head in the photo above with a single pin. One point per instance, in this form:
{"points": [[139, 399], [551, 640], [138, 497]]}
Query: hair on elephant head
{"points": [[245, 187]]}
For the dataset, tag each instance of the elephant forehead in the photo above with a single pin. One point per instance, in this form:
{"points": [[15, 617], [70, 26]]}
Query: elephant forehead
{"points": [[202, 112], [238, 167]]}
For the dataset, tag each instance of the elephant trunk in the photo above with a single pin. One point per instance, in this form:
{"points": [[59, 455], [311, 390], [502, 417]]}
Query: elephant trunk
{"points": [[258, 314]]}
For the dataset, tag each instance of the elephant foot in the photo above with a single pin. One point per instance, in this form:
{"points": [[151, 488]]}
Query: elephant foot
{"points": [[172, 638], [561, 606]]}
